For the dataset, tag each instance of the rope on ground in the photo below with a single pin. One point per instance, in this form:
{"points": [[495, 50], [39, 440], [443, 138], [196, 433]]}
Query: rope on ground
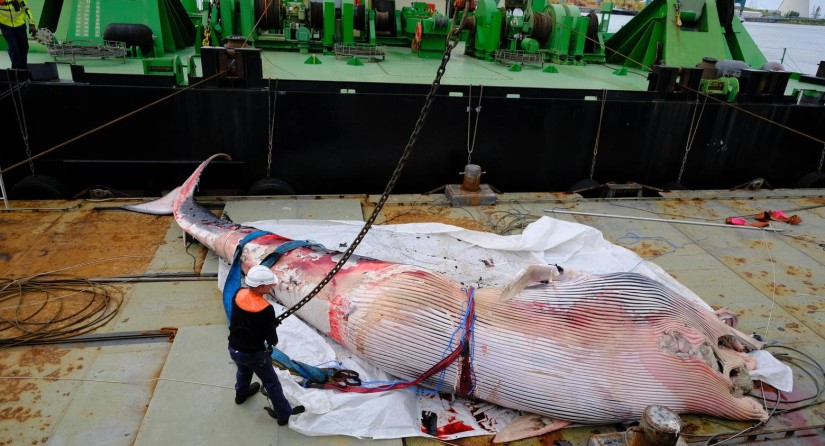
{"points": [[53, 306], [106, 381]]}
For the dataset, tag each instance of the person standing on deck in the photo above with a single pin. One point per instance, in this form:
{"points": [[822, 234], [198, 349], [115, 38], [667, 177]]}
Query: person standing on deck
{"points": [[252, 323], [13, 17]]}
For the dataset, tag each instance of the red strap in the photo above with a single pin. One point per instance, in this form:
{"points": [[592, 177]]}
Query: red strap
{"points": [[742, 222], [441, 365]]}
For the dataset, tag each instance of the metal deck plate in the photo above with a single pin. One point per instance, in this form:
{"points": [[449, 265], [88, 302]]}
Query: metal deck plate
{"points": [[772, 280]]}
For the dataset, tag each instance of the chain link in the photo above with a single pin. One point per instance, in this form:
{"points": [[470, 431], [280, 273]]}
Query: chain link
{"points": [[469, 121], [21, 113], [471, 144], [452, 41], [273, 107], [821, 159], [694, 128], [598, 135], [206, 28]]}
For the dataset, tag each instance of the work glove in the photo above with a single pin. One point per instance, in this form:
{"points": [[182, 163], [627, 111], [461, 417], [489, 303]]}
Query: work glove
{"points": [[32, 29]]}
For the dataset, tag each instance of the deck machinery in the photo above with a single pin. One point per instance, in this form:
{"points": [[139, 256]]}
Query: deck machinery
{"points": [[666, 42], [318, 26], [677, 33], [534, 31]]}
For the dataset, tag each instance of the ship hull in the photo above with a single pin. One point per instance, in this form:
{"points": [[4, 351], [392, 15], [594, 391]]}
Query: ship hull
{"points": [[328, 142]]}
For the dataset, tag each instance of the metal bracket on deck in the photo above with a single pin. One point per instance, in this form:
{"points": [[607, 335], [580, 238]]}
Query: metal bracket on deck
{"points": [[471, 192], [615, 190]]}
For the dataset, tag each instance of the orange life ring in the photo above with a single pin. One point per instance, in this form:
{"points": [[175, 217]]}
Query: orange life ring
{"points": [[419, 33]]}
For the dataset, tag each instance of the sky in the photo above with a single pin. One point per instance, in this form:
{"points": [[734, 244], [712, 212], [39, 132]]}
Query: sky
{"points": [[774, 4]]}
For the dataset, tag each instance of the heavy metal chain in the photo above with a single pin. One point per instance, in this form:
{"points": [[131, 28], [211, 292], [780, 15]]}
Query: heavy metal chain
{"points": [[471, 143], [273, 106], [452, 41], [21, 114], [694, 128], [821, 159], [598, 135]]}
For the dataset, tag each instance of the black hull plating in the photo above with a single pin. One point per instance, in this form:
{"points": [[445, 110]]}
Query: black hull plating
{"points": [[326, 142]]}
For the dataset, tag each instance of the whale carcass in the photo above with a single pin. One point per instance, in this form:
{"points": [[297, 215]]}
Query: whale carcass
{"points": [[572, 346]]}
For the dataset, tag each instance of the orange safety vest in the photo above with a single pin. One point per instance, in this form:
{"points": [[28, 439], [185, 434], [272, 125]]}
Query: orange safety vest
{"points": [[14, 16], [250, 301]]}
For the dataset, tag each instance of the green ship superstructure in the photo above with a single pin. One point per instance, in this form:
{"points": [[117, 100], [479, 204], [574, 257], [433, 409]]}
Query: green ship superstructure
{"points": [[308, 92]]}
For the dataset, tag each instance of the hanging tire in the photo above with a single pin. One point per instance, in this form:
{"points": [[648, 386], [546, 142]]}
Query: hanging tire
{"points": [[674, 186], [813, 180], [132, 34], [38, 187], [584, 185], [270, 186]]}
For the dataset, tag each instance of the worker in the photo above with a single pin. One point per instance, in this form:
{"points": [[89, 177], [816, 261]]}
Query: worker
{"points": [[13, 17], [251, 325]]}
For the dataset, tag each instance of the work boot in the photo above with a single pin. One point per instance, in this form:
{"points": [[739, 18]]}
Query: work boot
{"points": [[253, 389], [295, 411]]}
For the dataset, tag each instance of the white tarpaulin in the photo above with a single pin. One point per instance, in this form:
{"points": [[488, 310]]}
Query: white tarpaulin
{"points": [[473, 258]]}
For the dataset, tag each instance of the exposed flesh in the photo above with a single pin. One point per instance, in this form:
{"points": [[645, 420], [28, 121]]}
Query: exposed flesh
{"points": [[580, 347]]}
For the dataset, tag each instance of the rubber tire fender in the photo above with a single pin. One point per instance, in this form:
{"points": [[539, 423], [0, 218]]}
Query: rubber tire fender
{"points": [[584, 185], [132, 34], [270, 186], [811, 180], [38, 187], [674, 186]]}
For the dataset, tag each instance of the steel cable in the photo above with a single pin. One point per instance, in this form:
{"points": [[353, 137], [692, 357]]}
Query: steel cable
{"points": [[53, 306]]}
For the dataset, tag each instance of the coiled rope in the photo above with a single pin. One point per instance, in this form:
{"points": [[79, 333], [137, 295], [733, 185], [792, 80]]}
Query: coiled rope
{"points": [[52, 306]]}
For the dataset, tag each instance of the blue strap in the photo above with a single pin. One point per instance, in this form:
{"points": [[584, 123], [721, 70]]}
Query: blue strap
{"points": [[274, 256], [310, 373], [233, 279], [233, 284]]}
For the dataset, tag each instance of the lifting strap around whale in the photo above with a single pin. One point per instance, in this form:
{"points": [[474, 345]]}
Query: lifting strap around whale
{"points": [[233, 278], [464, 348]]}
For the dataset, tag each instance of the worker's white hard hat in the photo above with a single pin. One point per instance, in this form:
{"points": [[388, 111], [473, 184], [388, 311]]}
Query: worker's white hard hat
{"points": [[260, 275]]}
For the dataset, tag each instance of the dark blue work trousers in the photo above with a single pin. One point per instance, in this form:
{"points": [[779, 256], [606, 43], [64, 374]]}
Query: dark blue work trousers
{"points": [[260, 363], [18, 43]]}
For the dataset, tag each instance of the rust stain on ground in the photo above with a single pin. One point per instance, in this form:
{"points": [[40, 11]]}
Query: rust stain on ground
{"points": [[399, 214], [12, 389], [646, 250], [812, 201], [761, 244], [793, 270], [780, 289], [19, 414], [35, 242], [18, 231], [41, 357]]}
